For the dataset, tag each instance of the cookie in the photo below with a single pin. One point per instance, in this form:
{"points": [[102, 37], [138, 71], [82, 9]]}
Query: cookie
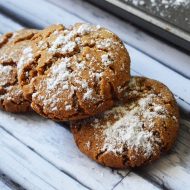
{"points": [[134, 132], [75, 73], [11, 47]]}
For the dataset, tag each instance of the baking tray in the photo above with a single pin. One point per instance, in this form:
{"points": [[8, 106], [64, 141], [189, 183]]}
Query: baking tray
{"points": [[170, 19]]}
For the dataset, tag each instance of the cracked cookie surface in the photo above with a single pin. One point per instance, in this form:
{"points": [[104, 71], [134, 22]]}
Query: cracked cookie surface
{"points": [[11, 47], [134, 132], [75, 73]]}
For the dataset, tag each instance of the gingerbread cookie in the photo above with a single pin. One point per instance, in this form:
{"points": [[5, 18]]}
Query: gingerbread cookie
{"points": [[132, 133], [75, 73], [11, 47]]}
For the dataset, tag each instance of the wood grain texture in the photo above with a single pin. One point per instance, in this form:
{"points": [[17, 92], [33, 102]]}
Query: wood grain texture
{"points": [[7, 25], [134, 181], [141, 63], [29, 169], [56, 145], [3, 186], [9, 182]]}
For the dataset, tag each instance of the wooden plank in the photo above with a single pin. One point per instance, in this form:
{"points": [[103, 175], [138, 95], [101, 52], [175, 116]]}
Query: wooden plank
{"points": [[29, 169], [151, 46], [141, 63], [3, 186], [9, 183], [55, 144], [135, 182], [7, 25]]}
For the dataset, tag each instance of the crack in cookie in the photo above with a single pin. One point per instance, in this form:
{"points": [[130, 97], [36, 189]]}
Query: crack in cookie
{"points": [[136, 131], [80, 71]]}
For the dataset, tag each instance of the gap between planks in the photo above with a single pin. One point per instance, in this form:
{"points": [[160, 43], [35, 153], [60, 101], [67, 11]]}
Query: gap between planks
{"points": [[8, 183], [3, 186], [28, 169], [39, 134], [55, 143], [35, 152]]}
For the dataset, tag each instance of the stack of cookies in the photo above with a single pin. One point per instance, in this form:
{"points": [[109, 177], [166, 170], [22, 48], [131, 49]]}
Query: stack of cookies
{"points": [[81, 74]]}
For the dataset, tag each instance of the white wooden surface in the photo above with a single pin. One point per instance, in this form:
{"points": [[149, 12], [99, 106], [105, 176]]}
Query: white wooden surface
{"points": [[3, 186], [29, 169], [40, 154]]}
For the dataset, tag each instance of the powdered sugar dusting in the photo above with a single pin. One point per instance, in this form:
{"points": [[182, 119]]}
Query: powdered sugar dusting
{"points": [[86, 28], [5, 73], [69, 47], [42, 45], [88, 94], [74, 72], [58, 82], [128, 130], [106, 60], [27, 56], [5, 69], [88, 144], [11, 93], [175, 12], [68, 107], [157, 3], [59, 75], [63, 44], [105, 43], [68, 41]]}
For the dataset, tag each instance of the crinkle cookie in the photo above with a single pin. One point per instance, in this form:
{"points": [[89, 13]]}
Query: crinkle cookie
{"points": [[75, 73], [133, 133], [11, 47]]}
